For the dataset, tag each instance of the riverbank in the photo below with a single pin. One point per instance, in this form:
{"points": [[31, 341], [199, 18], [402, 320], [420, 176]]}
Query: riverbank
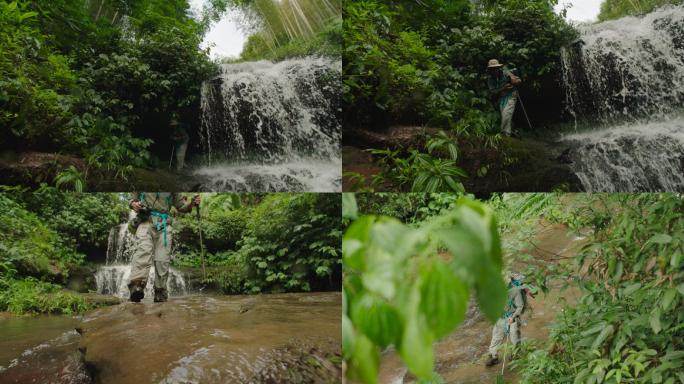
{"points": [[512, 165]]}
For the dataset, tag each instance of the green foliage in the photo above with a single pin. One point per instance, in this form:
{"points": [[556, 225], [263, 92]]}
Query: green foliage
{"points": [[292, 242], [399, 291], [421, 171], [98, 79], [627, 325], [82, 219], [286, 28], [326, 43], [33, 296], [410, 208], [615, 9], [29, 247], [424, 62], [70, 177]]}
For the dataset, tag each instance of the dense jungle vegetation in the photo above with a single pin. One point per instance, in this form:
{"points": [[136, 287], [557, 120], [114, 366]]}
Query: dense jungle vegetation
{"points": [[101, 80], [615, 9], [625, 327], [423, 64], [254, 243]]}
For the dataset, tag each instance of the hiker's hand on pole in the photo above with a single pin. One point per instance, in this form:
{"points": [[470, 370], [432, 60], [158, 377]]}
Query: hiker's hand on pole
{"points": [[135, 206], [196, 200]]}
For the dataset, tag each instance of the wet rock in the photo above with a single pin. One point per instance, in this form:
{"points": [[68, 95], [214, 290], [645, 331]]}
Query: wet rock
{"points": [[514, 165], [204, 339], [30, 169]]}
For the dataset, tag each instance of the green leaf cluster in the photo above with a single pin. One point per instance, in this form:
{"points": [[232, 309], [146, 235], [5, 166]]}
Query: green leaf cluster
{"points": [[408, 287]]}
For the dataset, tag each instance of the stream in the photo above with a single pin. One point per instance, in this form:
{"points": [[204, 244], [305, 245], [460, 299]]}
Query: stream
{"points": [[190, 339], [460, 357]]}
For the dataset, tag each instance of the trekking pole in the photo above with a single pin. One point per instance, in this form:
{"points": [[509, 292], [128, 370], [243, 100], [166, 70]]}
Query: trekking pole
{"points": [[173, 149], [524, 111], [199, 221]]}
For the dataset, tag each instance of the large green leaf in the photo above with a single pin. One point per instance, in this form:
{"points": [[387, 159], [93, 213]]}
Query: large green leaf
{"points": [[365, 361], [349, 208], [444, 298], [416, 349], [378, 320], [491, 292]]}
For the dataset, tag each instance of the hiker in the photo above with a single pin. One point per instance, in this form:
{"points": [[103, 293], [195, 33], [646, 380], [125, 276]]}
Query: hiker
{"points": [[509, 324], [153, 240], [180, 139], [502, 83]]}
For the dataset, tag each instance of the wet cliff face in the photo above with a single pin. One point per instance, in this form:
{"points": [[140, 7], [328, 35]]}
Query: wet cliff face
{"points": [[272, 127], [268, 338], [626, 69], [625, 90], [273, 111]]}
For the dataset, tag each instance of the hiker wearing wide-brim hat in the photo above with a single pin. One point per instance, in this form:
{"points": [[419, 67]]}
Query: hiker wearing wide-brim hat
{"points": [[509, 324], [502, 83], [153, 239]]}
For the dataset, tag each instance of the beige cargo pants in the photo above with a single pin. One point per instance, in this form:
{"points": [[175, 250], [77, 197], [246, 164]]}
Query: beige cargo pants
{"points": [[498, 335], [150, 248], [507, 112]]}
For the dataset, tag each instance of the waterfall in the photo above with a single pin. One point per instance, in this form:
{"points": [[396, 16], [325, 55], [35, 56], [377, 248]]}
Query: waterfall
{"points": [[624, 85], [273, 126], [119, 249], [112, 278]]}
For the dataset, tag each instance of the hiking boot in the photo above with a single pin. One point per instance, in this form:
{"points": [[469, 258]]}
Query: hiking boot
{"points": [[492, 361], [137, 291], [160, 295]]}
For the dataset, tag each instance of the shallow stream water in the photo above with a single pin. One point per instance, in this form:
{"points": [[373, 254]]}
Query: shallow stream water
{"points": [[190, 339]]}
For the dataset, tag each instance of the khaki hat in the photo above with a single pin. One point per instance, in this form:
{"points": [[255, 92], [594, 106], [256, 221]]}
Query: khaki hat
{"points": [[494, 63]]}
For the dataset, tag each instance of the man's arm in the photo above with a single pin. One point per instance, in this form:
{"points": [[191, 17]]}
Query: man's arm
{"points": [[184, 205], [515, 80]]}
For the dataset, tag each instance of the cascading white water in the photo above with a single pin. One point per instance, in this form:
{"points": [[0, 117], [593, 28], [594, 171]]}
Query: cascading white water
{"points": [[273, 126], [112, 278], [625, 79], [119, 247]]}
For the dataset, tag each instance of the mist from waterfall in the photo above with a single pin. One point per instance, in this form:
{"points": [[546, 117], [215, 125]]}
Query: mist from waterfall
{"points": [[625, 80], [273, 126], [112, 278]]}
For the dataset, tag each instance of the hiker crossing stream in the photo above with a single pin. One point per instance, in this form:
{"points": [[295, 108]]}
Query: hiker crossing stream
{"points": [[624, 82], [273, 127], [112, 278], [459, 358]]}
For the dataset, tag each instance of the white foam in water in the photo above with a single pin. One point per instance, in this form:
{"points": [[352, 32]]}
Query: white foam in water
{"points": [[627, 80], [258, 113], [112, 279], [297, 176]]}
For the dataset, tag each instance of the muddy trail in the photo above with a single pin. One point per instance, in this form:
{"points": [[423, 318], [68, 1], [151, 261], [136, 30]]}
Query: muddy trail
{"points": [[190, 339], [460, 357]]}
